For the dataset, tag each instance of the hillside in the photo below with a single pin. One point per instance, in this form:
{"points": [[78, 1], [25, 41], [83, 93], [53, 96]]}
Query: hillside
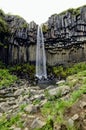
{"points": [[61, 106]]}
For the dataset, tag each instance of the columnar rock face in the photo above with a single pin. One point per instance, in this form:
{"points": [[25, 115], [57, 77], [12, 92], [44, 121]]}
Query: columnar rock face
{"points": [[21, 40], [19, 46], [65, 38]]}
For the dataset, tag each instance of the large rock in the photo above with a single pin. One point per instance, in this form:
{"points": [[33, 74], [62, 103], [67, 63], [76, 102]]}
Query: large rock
{"points": [[59, 91], [37, 123], [19, 92], [31, 108]]}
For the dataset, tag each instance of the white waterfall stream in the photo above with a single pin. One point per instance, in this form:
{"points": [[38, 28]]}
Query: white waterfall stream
{"points": [[40, 56]]}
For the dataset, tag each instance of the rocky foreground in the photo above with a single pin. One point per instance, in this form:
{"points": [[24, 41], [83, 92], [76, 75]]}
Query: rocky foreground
{"points": [[27, 101]]}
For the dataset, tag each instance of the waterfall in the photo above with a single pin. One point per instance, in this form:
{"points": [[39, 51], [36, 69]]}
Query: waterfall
{"points": [[40, 56]]}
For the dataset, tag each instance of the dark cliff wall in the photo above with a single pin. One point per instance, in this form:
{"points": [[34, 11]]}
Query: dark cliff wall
{"points": [[65, 38], [17, 42]]}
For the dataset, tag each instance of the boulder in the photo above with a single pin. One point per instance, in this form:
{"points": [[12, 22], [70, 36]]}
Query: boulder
{"points": [[37, 123], [19, 92], [31, 108], [70, 122], [59, 91]]}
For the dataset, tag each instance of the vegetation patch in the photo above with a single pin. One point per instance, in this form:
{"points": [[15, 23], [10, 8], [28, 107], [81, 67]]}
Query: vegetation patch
{"points": [[72, 11], [5, 123], [57, 106], [44, 28], [3, 26], [23, 71], [63, 72], [6, 79]]}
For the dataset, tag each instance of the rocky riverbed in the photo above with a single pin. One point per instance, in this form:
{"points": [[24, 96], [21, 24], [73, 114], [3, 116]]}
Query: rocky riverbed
{"points": [[22, 96]]}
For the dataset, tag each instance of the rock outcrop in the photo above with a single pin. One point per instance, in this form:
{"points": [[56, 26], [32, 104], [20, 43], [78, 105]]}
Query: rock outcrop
{"points": [[65, 36], [18, 44], [64, 33]]}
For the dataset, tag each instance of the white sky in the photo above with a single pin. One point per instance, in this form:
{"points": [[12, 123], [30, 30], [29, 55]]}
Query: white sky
{"points": [[38, 10]]}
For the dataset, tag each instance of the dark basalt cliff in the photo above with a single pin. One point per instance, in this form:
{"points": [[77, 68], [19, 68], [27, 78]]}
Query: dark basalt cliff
{"points": [[64, 35], [16, 40]]}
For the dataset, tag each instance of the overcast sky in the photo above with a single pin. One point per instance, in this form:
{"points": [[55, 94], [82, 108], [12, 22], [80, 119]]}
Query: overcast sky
{"points": [[38, 10]]}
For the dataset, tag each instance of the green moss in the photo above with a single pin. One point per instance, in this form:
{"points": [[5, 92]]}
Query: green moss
{"points": [[36, 101], [4, 29], [44, 28], [18, 16], [72, 11], [25, 25], [84, 6], [5, 46], [62, 13], [22, 107], [2, 14], [1, 44], [49, 125]]}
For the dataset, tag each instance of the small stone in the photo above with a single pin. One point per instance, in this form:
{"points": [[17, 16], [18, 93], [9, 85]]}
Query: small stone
{"points": [[75, 117], [43, 102], [15, 106], [84, 121], [24, 115], [39, 97], [10, 110], [60, 82], [12, 127], [18, 92], [30, 108], [58, 127], [53, 91], [50, 87], [20, 99], [65, 90], [82, 115], [31, 116], [82, 105], [4, 107], [26, 96], [37, 123], [63, 127], [70, 122]]}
